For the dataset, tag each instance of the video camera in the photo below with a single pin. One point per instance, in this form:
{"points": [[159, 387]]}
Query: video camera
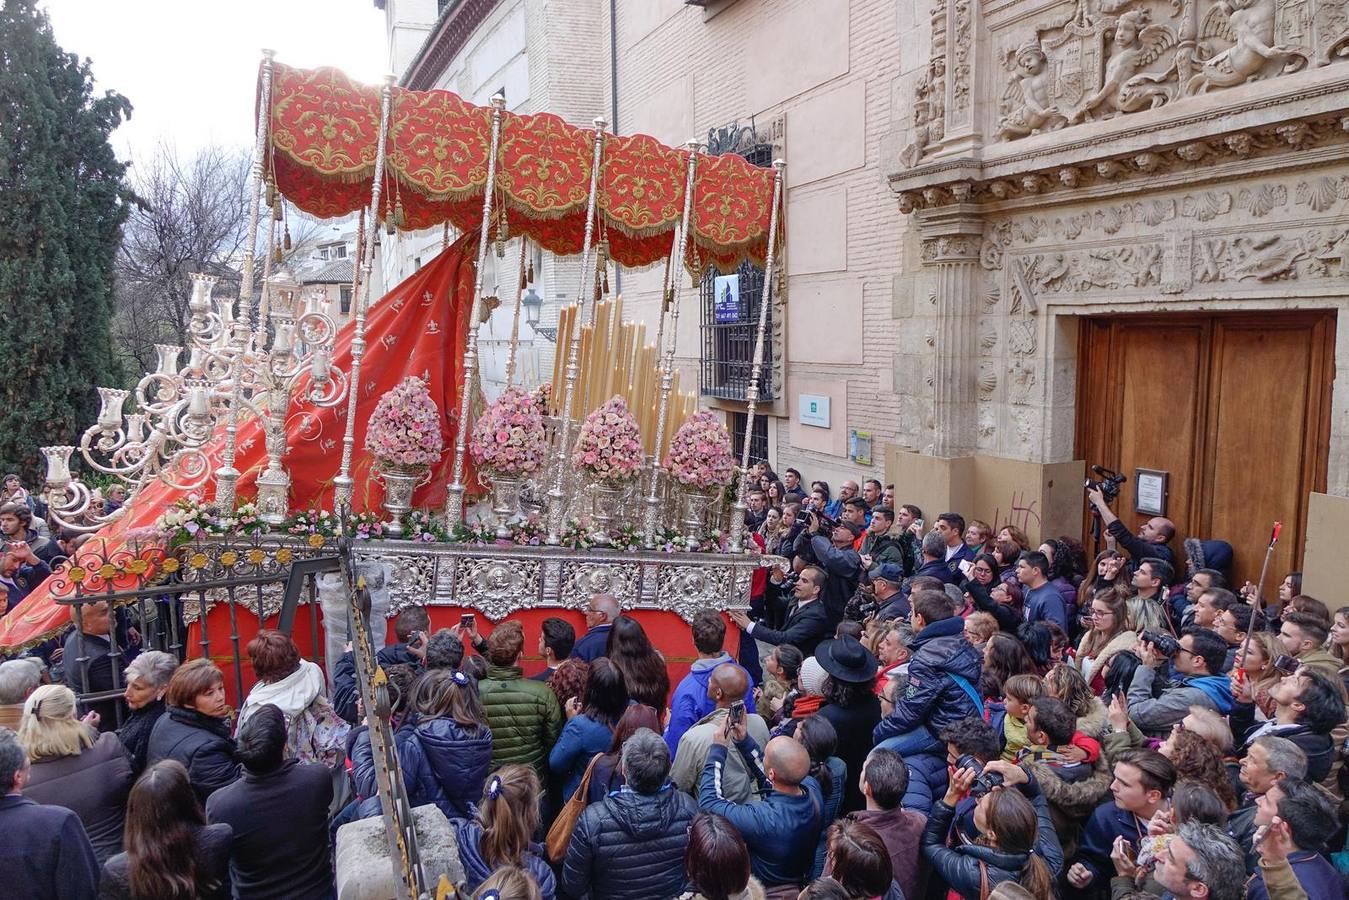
{"points": [[1109, 483], [827, 524]]}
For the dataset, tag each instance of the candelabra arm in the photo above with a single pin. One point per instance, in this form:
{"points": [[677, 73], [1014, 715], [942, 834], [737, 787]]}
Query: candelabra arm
{"points": [[227, 476], [556, 506], [737, 533], [454, 508]]}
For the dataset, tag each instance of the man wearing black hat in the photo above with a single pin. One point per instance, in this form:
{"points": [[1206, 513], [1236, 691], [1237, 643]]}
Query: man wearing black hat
{"points": [[888, 580], [836, 556], [851, 706]]}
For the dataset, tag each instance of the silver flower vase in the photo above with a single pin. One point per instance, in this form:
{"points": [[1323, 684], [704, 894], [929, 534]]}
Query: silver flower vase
{"points": [[696, 503], [607, 497], [399, 483], [505, 501]]}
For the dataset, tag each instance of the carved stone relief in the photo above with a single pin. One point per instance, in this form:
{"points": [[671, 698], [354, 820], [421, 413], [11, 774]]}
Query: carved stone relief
{"points": [[1098, 59]]}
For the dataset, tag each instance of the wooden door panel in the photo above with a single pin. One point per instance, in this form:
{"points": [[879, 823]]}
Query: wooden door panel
{"points": [[1236, 408], [1162, 377]]}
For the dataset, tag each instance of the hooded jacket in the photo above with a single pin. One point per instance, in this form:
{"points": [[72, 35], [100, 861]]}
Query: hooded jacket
{"points": [[1209, 554], [1155, 716], [468, 835], [932, 697], [960, 866], [314, 731], [630, 846], [442, 761], [690, 702]]}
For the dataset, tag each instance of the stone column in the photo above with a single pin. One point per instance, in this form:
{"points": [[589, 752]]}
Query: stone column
{"points": [[951, 242]]}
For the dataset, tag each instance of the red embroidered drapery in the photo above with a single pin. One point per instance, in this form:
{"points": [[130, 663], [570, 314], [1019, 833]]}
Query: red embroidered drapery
{"points": [[324, 128]]}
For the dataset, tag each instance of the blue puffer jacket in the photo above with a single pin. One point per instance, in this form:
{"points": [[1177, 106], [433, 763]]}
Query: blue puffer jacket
{"points": [[443, 763], [932, 697], [927, 781], [468, 835], [630, 846]]}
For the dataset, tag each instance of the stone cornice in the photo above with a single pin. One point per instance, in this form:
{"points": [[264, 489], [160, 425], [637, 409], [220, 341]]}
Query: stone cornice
{"points": [[1265, 124]]}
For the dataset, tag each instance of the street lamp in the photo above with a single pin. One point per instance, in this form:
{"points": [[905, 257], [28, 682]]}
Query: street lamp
{"points": [[533, 304]]}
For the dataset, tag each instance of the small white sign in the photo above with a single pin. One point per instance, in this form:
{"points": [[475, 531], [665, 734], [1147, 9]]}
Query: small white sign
{"points": [[813, 410]]}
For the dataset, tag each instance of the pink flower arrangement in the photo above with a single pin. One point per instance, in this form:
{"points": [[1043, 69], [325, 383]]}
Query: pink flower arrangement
{"points": [[542, 397], [700, 453], [509, 438], [610, 446], [405, 427]]}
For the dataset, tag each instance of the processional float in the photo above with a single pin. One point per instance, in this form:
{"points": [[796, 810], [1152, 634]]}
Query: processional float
{"points": [[251, 409]]}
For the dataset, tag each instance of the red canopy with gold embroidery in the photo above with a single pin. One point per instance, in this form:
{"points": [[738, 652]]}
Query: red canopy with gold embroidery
{"points": [[324, 128]]}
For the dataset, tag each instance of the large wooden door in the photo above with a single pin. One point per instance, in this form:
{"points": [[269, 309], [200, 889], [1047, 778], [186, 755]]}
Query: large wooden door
{"points": [[1235, 408]]}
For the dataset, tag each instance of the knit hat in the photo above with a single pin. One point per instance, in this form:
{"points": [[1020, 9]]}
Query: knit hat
{"points": [[812, 676]]}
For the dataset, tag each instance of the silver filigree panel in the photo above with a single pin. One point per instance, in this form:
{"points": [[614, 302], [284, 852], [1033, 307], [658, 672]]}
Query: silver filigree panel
{"points": [[582, 579], [497, 587], [684, 590]]}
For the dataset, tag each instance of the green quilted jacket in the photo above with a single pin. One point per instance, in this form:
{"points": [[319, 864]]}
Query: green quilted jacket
{"points": [[524, 716]]}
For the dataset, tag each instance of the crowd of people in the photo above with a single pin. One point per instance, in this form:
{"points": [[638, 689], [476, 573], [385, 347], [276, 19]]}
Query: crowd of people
{"points": [[905, 709]]}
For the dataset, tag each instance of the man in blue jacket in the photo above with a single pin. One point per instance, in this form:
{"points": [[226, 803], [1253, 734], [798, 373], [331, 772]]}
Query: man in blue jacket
{"points": [[1309, 818], [943, 680], [782, 830], [694, 696], [600, 613], [1143, 780], [1201, 683]]}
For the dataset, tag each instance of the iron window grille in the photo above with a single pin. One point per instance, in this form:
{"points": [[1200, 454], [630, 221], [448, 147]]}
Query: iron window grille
{"points": [[730, 307], [758, 447]]}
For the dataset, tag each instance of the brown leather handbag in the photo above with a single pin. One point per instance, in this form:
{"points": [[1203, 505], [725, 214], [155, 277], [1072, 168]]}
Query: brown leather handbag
{"points": [[559, 835]]}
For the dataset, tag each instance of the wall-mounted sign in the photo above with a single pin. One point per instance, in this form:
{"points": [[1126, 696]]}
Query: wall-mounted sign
{"points": [[859, 446], [813, 409], [726, 308], [1150, 492]]}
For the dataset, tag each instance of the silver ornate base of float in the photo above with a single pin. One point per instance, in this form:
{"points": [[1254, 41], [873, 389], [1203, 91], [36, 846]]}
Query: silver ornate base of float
{"points": [[494, 580]]}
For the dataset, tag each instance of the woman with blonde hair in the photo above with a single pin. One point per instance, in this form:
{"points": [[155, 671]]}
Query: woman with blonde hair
{"points": [[1110, 633], [75, 767], [502, 833], [509, 883], [1065, 683], [1253, 673]]}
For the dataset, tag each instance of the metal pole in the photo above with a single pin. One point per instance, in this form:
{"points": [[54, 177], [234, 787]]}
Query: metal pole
{"points": [[227, 476], [454, 509], [670, 302], [556, 511], [343, 485], [752, 394], [515, 318]]}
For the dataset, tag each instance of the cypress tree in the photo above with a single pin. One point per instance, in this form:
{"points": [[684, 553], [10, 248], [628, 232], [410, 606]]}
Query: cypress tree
{"points": [[62, 205]]}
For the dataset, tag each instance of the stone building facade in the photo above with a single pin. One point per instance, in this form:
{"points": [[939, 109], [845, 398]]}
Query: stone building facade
{"points": [[1023, 237], [1076, 162]]}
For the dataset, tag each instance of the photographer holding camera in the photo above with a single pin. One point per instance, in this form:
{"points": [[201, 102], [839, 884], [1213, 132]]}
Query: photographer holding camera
{"points": [[1198, 659], [828, 543], [1152, 539]]}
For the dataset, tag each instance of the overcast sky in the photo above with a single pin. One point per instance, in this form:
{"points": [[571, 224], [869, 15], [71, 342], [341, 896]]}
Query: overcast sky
{"points": [[189, 67]]}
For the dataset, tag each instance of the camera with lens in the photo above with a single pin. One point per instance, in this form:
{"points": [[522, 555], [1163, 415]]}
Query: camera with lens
{"points": [[1166, 645], [1108, 484], [986, 781], [827, 524]]}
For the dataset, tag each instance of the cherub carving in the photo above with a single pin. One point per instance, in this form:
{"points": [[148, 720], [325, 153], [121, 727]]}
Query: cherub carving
{"points": [[929, 116], [1136, 44], [1025, 104], [1249, 25]]}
